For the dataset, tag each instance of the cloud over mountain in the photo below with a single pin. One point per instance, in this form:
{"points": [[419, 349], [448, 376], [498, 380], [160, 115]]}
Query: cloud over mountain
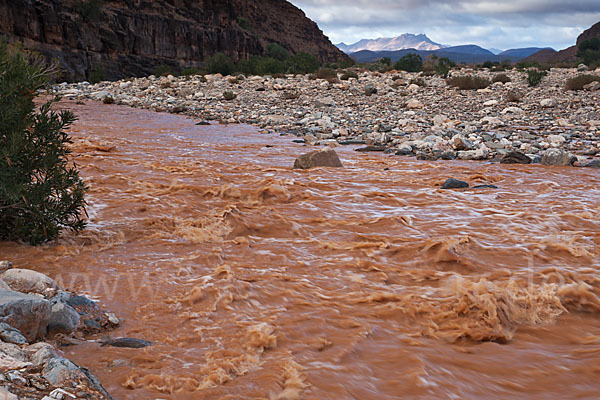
{"points": [[500, 24]]}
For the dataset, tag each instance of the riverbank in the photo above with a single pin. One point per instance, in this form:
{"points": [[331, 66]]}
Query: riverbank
{"points": [[400, 113], [38, 316]]}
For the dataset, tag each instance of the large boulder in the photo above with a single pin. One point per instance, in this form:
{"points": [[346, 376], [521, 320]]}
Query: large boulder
{"points": [[63, 317], [318, 158], [65, 373], [9, 334], [28, 313], [28, 281], [558, 157], [515, 157]]}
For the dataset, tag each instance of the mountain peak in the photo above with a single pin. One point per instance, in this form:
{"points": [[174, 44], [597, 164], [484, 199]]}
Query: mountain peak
{"points": [[405, 41]]}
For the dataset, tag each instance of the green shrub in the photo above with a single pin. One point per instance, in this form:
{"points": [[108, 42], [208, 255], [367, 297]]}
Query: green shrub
{"points": [[191, 72], [535, 76], [277, 52], [589, 51], [468, 82], [219, 64], [269, 66], [580, 81], [97, 75], [501, 78], [41, 192], [489, 64], [244, 23], [304, 63], [90, 9], [229, 95], [417, 81], [328, 74], [410, 63], [444, 66], [349, 74], [162, 70]]}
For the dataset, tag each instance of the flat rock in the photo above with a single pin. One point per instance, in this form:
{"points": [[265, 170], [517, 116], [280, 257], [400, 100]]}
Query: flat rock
{"points": [[30, 314], [593, 164], [371, 148], [515, 157], [452, 183], [126, 342], [28, 281], [318, 158], [9, 334]]}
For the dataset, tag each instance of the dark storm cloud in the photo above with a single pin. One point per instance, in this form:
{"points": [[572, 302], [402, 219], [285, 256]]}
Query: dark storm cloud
{"points": [[500, 24]]}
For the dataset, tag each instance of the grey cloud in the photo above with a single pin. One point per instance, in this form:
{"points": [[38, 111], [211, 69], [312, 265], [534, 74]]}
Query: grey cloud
{"points": [[502, 24]]}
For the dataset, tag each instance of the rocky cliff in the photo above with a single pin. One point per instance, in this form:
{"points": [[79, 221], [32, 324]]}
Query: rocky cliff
{"points": [[131, 37], [568, 55]]}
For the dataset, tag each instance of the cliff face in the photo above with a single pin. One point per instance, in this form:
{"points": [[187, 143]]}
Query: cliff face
{"points": [[569, 54], [132, 37]]}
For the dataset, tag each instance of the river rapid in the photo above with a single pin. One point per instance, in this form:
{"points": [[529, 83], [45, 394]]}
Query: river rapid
{"points": [[257, 281]]}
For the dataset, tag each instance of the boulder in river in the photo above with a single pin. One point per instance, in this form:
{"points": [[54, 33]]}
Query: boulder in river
{"points": [[132, 343], [30, 314], [63, 372], [28, 281], [515, 157], [593, 164], [558, 157], [452, 183], [9, 334], [318, 158], [63, 317]]}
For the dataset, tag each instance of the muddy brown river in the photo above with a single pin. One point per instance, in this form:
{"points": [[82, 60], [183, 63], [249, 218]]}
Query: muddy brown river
{"points": [[256, 281]]}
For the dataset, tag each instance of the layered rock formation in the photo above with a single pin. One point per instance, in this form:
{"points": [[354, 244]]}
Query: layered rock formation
{"points": [[569, 54], [131, 37]]}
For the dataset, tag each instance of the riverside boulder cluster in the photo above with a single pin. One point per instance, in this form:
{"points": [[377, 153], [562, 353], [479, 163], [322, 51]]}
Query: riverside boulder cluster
{"points": [[36, 315], [397, 112]]}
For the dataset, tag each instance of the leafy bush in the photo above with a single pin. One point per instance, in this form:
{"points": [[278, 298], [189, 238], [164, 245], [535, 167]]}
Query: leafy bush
{"points": [[589, 51], [328, 74], [244, 23], [90, 9], [535, 76], [349, 74], [468, 82], [277, 52], [229, 95], [219, 64], [438, 66], [108, 100], [41, 192], [162, 70], [410, 63], [489, 64], [501, 78], [418, 81], [191, 72], [580, 81], [304, 63], [97, 75]]}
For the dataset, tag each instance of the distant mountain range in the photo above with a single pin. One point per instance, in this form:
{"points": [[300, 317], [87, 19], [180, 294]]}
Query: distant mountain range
{"points": [[402, 42], [470, 54]]}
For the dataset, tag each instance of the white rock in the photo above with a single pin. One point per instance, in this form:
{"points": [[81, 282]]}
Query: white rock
{"points": [[548, 103], [490, 103], [556, 140], [414, 104], [511, 110], [28, 281], [413, 88]]}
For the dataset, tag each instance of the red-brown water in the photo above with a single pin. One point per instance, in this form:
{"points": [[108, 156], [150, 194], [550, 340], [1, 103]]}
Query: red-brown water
{"points": [[256, 281]]}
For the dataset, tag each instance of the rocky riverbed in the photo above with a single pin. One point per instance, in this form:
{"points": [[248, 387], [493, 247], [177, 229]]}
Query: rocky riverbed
{"points": [[37, 317], [397, 112]]}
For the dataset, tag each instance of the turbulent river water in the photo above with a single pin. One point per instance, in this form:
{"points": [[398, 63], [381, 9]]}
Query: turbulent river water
{"points": [[257, 281]]}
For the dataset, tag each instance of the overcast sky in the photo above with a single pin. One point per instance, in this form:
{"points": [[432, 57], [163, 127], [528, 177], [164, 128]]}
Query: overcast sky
{"points": [[490, 24]]}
